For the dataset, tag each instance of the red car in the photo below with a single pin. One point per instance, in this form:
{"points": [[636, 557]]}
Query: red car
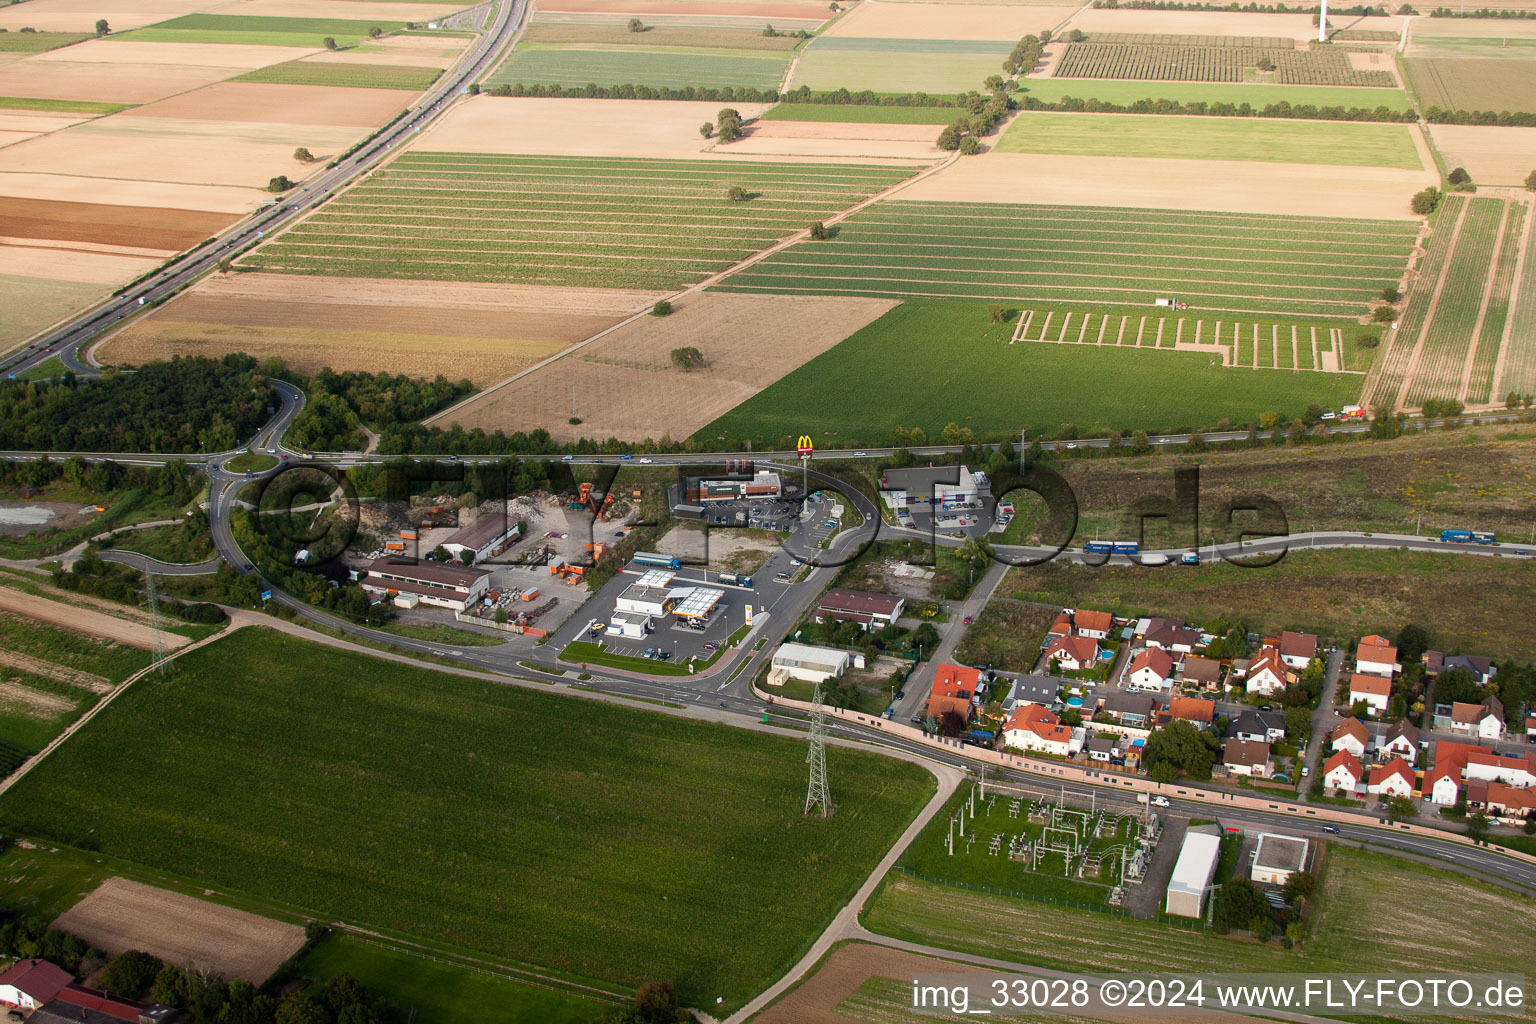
{"points": [[967, 620]]}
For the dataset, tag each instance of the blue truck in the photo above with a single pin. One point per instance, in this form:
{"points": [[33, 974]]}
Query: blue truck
{"points": [[1467, 536], [1111, 547]]}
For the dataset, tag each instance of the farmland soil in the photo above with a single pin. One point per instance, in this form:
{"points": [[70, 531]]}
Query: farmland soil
{"points": [[143, 227], [292, 104], [69, 616], [880, 20]]}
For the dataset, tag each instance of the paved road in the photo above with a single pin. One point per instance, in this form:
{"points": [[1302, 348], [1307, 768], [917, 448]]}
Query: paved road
{"points": [[67, 340], [1323, 719]]}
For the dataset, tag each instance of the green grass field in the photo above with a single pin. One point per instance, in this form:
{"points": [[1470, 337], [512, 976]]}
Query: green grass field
{"points": [[36, 705], [61, 106], [39, 42], [926, 364], [1051, 90], [1191, 138], [573, 67], [852, 114], [1462, 83], [441, 993], [255, 30], [363, 76], [173, 544], [484, 816], [1097, 256], [564, 220], [883, 66]]}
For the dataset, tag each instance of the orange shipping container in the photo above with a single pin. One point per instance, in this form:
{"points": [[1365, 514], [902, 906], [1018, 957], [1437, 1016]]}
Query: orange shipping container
{"points": [[407, 534], [530, 593]]}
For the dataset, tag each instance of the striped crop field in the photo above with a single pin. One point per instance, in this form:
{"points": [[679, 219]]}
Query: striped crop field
{"points": [[577, 66], [1267, 140], [1325, 66], [1518, 374], [355, 76], [1242, 263], [1448, 342], [564, 220]]}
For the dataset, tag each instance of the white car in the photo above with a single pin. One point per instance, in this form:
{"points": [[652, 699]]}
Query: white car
{"points": [[646, 462], [860, 455], [1330, 415]]}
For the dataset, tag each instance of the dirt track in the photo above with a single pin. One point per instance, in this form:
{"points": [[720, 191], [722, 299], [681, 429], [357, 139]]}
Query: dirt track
{"points": [[73, 617], [121, 915]]}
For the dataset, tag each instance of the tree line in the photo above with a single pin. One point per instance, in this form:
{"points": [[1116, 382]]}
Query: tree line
{"points": [[1358, 10], [338, 405], [1502, 118], [1283, 109], [593, 91], [189, 404]]}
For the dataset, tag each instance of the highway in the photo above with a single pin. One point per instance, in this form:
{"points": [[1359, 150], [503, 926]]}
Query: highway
{"points": [[67, 340]]}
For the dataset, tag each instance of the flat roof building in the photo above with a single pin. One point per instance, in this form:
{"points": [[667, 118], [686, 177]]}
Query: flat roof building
{"points": [[488, 535], [872, 611], [1192, 873], [435, 583], [764, 483], [1277, 858], [808, 662], [645, 600]]}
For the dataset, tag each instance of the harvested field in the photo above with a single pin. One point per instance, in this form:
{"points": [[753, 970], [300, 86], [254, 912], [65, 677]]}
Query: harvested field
{"points": [[97, 224], [750, 12], [67, 188], [80, 15], [59, 673], [29, 123], [242, 30], [113, 51], [29, 304], [290, 104], [1214, 138], [180, 150], [542, 17], [1023, 254], [1200, 185], [562, 220], [383, 11], [1487, 28], [121, 915], [352, 76], [839, 139], [847, 113], [659, 35], [628, 388], [420, 328], [83, 620], [575, 127], [1493, 156], [577, 66], [121, 83], [1457, 83], [1202, 23], [54, 263], [947, 21]]}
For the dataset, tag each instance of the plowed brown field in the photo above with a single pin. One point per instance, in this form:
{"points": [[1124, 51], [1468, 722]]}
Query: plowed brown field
{"points": [[121, 915], [69, 616], [625, 383], [140, 227]]}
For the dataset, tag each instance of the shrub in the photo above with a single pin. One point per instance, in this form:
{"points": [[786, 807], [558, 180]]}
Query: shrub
{"points": [[1458, 176], [636, 25], [1390, 293], [1530, 181], [662, 308], [949, 139], [279, 184], [819, 232], [970, 146], [737, 194], [329, 43], [1424, 203], [1383, 314]]}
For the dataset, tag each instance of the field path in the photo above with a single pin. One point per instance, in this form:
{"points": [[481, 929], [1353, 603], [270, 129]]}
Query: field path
{"points": [[1482, 308], [1429, 316], [446, 416], [1501, 363]]}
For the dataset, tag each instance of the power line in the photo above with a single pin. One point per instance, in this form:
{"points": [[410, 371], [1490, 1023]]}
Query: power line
{"points": [[159, 659], [816, 795]]}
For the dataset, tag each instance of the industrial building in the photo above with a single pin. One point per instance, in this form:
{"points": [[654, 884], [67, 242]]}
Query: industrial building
{"points": [[643, 599], [939, 486], [810, 663], [434, 583], [872, 611], [1192, 873], [630, 625], [763, 484], [1277, 858], [489, 535]]}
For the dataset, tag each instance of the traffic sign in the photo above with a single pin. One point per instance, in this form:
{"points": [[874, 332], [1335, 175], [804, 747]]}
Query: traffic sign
{"points": [[806, 447]]}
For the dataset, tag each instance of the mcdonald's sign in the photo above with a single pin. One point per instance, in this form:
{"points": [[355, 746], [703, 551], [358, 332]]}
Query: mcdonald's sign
{"points": [[806, 448]]}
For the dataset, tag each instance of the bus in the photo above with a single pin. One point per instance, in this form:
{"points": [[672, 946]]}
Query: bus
{"points": [[652, 558]]}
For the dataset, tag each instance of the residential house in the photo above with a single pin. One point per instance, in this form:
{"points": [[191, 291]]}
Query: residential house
{"points": [[1510, 803], [1258, 726], [1202, 672], [1351, 735], [1456, 763], [77, 1003], [1376, 691], [30, 983], [1395, 778], [953, 688], [1483, 669], [1175, 639], [1034, 729], [1434, 661], [1342, 772], [1042, 690], [1402, 740], [870, 610], [1145, 626], [1375, 656], [1091, 624], [1296, 649], [1133, 710], [1485, 720], [1072, 653], [1151, 669], [1247, 757], [1266, 673], [1530, 727], [1102, 748], [1198, 711]]}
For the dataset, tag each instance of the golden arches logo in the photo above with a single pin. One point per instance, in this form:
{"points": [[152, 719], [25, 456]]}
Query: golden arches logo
{"points": [[805, 445]]}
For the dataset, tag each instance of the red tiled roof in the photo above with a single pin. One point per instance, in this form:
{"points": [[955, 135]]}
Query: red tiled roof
{"points": [[1376, 686], [1155, 658], [1080, 648], [1396, 766], [1194, 709], [1040, 721], [1100, 622], [37, 978], [1350, 727], [952, 680], [1346, 759], [1382, 653]]}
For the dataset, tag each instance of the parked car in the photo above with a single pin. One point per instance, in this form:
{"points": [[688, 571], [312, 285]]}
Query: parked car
{"points": [[711, 647], [967, 620], [1305, 771], [650, 652]]}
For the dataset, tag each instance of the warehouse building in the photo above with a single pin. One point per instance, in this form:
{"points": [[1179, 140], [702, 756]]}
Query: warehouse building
{"points": [[434, 583], [1192, 873], [810, 663], [872, 611], [488, 535]]}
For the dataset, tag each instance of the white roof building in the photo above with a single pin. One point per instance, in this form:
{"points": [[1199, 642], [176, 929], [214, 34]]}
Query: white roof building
{"points": [[810, 663], [1192, 873]]}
